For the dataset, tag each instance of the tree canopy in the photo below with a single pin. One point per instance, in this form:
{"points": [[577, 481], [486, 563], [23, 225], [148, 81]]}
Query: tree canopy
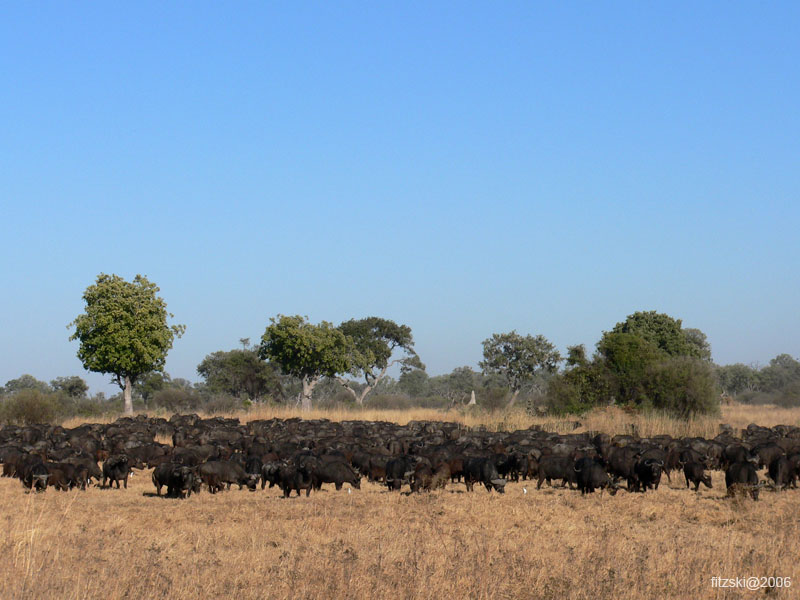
{"points": [[646, 360], [240, 373], [124, 330], [26, 382], [519, 359], [306, 351], [666, 334], [372, 343], [74, 386]]}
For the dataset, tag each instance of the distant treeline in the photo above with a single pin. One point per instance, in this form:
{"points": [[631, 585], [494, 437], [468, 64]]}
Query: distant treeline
{"points": [[649, 361], [235, 380]]}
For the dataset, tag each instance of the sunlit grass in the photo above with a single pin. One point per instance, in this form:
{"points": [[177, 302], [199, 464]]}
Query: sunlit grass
{"points": [[548, 543], [611, 420]]}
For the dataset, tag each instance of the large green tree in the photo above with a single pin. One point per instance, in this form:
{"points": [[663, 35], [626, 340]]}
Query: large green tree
{"points": [[628, 357], [240, 373], [74, 386], [414, 383], [373, 343], [779, 373], [650, 356], [737, 378], [519, 359], [682, 385], [666, 334], [306, 351], [456, 386], [582, 385], [124, 330], [27, 382]]}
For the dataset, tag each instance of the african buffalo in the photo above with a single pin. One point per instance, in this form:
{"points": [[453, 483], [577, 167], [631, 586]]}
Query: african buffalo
{"points": [[483, 470], [590, 474], [695, 473], [555, 467], [742, 476], [295, 477], [335, 472], [116, 469], [182, 480], [217, 474], [399, 471], [648, 474], [781, 473]]}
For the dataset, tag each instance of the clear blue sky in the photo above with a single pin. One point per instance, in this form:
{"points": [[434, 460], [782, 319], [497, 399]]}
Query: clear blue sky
{"points": [[461, 168]]}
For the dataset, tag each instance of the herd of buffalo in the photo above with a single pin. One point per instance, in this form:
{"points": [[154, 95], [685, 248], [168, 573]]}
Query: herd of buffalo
{"points": [[301, 455]]}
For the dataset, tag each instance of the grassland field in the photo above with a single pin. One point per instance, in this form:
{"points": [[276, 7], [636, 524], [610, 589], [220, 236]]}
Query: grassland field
{"points": [[370, 543]]}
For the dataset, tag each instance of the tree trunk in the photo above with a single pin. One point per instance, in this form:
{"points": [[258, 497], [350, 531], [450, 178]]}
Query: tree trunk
{"points": [[308, 389], [364, 392], [513, 399], [359, 398], [126, 394]]}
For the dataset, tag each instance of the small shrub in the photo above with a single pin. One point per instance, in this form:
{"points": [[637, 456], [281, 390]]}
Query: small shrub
{"points": [[177, 400], [339, 398], [222, 403], [789, 396], [492, 399], [564, 398], [80, 407], [29, 406], [683, 387]]}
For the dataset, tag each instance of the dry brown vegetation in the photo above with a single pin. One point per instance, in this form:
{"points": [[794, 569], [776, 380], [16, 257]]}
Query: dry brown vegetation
{"points": [[611, 420], [548, 543]]}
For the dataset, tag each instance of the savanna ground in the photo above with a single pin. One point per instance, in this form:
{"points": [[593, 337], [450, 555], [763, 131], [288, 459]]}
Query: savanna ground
{"points": [[548, 543]]}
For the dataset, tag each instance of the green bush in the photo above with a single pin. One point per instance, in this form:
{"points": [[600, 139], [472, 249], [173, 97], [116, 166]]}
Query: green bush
{"points": [[564, 397], [581, 388], [177, 400], [338, 397], [30, 406], [682, 386], [223, 403], [69, 406], [492, 399], [788, 396]]}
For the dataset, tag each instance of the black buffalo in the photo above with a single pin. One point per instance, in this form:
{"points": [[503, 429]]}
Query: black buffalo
{"points": [[116, 469], [648, 474], [182, 481], [293, 476], [590, 475], [483, 470], [552, 467], [253, 467], [781, 473], [217, 474], [399, 471], [335, 472], [161, 475], [695, 473], [622, 465], [742, 476], [34, 474]]}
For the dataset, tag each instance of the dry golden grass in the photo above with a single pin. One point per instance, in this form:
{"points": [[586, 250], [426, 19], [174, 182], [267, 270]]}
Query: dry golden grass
{"points": [[548, 543], [610, 420]]}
